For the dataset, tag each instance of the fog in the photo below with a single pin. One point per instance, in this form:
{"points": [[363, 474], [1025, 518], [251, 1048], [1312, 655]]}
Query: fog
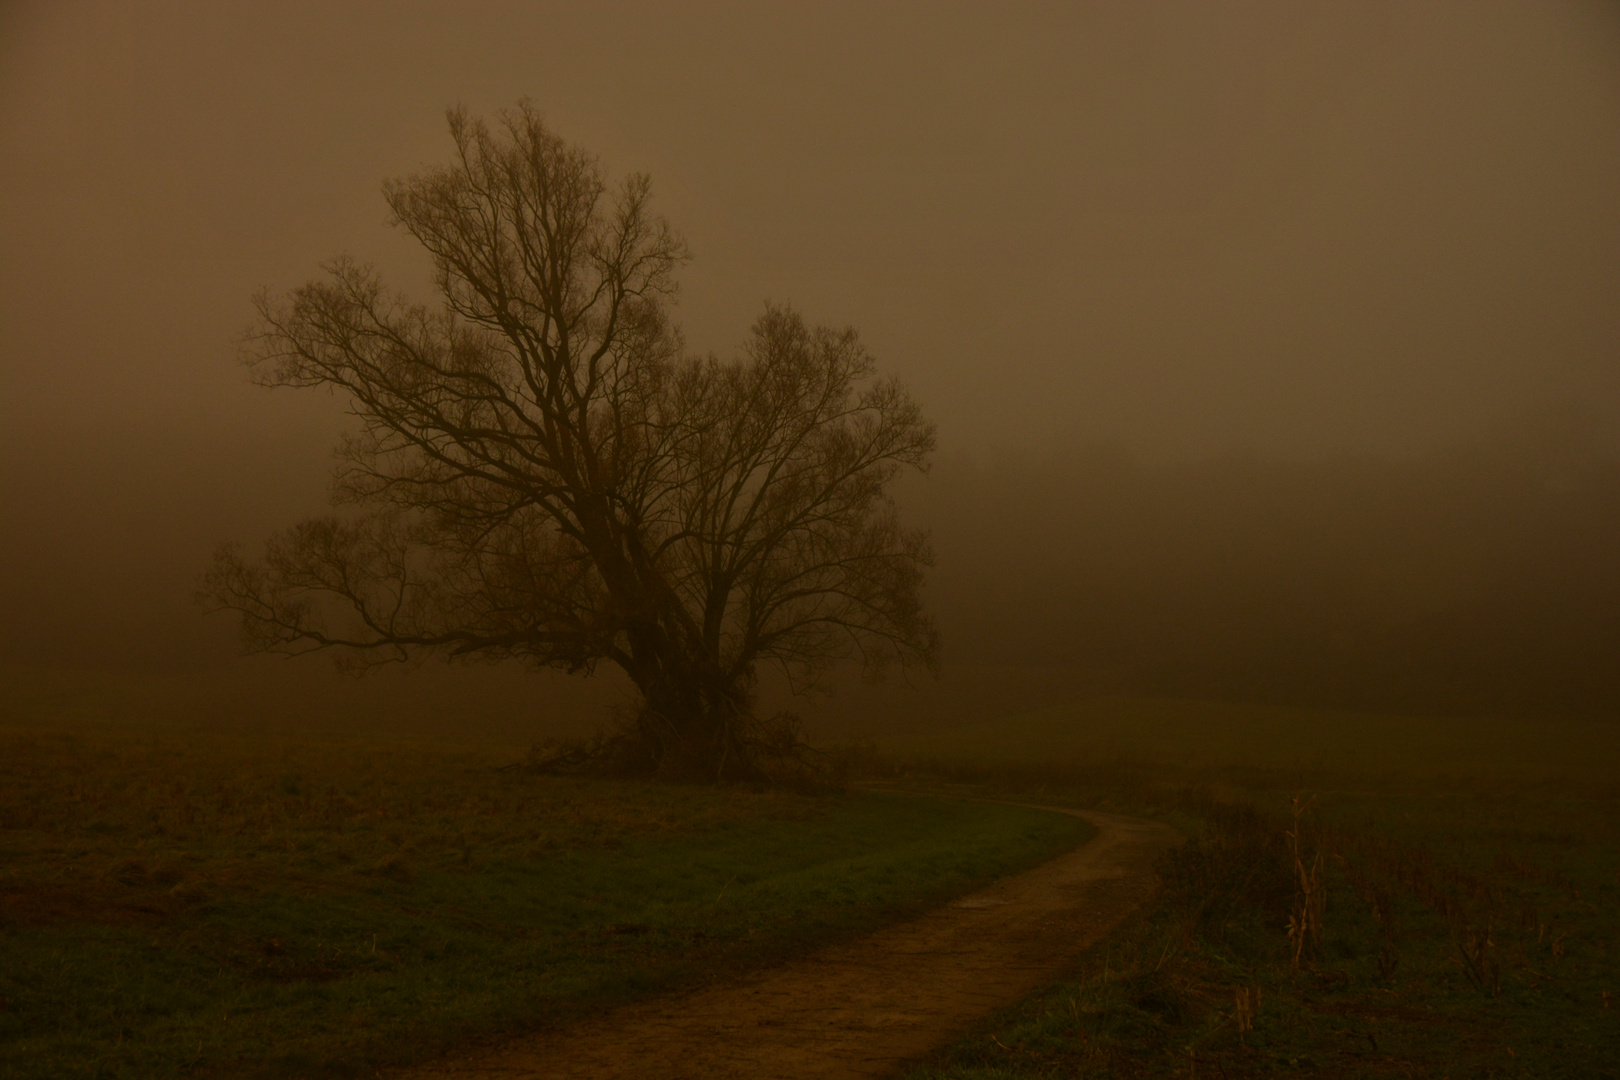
{"points": [[1275, 349]]}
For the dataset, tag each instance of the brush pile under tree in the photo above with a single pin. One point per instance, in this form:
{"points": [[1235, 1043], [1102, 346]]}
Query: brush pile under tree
{"points": [[540, 474]]}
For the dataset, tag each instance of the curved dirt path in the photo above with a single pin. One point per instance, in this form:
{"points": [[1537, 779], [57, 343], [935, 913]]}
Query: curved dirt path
{"points": [[864, 1008]]}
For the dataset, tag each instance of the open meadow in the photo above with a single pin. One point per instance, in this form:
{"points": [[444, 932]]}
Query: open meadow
{"points": [[1361, 895], [187, 900], [193, 898]]}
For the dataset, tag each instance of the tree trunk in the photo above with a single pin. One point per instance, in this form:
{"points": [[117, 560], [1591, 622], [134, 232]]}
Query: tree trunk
{"points": [[694, 724]]}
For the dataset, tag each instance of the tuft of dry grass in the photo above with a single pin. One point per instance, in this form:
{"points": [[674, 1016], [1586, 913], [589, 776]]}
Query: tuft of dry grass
{"points": [[1305, 920]]}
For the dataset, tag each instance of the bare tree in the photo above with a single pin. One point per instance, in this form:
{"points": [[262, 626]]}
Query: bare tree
{"points": [[539, 474]]}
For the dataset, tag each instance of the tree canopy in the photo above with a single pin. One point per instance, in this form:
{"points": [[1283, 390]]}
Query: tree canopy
{"points": [[540, 473]]}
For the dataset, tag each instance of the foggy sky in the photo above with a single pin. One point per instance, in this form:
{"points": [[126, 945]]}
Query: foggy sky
{"points": [[1286, 230]]}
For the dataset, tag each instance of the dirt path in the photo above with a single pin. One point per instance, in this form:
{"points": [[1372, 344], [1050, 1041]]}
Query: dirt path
{"points": [[864, 1008]]}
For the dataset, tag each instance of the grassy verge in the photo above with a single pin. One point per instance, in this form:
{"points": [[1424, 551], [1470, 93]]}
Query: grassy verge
{"points": [[174, 903], [1448, 922]]}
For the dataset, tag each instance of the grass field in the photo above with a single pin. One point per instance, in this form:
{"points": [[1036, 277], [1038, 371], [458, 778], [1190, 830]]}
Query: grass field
{"points": [[175, 902], [1180, 739], [1457, 882], [203, 899]]}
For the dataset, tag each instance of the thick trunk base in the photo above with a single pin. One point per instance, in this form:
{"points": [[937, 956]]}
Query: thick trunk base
{"points": [[771, 751]]}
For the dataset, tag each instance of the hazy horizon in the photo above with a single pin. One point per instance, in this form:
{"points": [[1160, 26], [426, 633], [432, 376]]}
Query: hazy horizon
{"points": [[1361, 238]]}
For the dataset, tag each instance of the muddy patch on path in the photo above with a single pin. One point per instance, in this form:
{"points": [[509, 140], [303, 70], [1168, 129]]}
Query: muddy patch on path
{"points": [[864, 1008]]}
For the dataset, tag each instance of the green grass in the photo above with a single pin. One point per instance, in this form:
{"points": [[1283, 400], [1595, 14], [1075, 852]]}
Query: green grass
{"points": [[178, 902], [1440, 838]]}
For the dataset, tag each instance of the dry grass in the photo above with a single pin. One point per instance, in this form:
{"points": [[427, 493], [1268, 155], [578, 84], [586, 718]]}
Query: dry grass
{"points": [[1419, 918], [1305, 920]]}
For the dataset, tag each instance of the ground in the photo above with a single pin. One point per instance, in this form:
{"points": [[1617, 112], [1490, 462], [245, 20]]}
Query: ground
{"points": [[865, 1007], [182, 901], [206, 901]]}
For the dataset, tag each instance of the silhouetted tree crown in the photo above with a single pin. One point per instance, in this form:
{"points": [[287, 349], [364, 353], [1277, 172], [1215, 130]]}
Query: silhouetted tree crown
{"points": [[540, 474]]}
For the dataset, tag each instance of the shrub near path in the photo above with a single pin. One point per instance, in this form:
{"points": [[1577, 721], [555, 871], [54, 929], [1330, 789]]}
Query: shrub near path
{"points": [[173, 903], [1417, 929]]}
